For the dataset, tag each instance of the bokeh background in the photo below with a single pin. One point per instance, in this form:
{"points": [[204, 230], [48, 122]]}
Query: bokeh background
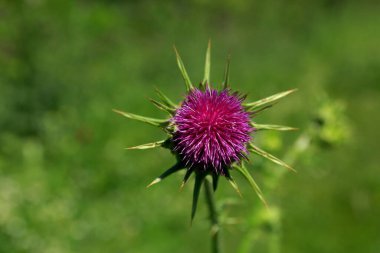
{"points": [[68, 185]]}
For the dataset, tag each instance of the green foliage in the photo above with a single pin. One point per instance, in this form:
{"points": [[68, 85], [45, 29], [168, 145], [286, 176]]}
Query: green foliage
{"points": [[68, 185]]}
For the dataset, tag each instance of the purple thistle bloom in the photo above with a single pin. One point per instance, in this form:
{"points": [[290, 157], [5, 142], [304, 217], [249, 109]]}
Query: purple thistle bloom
{"points": [[209, 132], [212, 130]]}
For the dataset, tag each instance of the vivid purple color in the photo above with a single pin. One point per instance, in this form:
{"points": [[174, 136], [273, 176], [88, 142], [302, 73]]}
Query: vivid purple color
{"points": [[212, 130]]}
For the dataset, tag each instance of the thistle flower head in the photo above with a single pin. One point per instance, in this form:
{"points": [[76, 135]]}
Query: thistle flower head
{"points": [[209, 132], [212, 130]]}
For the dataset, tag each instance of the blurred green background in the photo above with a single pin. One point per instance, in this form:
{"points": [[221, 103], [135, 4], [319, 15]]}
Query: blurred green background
{"points": [[68, 185]]}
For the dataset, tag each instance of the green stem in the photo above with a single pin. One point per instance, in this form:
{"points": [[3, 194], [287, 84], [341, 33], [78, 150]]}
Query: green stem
{"points": [[215, 240]]}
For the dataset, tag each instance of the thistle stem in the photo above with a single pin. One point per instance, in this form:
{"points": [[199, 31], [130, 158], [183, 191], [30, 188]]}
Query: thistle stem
{"points": [[215, 240]]}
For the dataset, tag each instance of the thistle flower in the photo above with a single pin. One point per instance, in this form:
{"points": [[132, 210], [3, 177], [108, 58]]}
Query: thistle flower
{"points": [[210, 131]]}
